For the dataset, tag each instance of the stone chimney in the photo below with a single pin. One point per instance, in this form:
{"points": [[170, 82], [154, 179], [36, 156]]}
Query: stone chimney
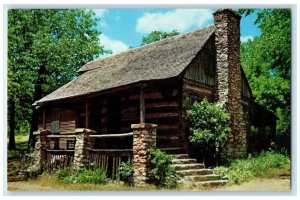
{"points": [[227, 40]]}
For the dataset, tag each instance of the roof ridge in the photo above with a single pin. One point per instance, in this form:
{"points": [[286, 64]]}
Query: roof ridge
{"points": [[139, 47]]}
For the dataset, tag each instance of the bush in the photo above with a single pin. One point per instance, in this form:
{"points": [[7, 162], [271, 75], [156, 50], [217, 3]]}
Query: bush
{"points": [[161, 173], [126, 172], [241, 170], [208, 126], [62, 174], [96, 176]]}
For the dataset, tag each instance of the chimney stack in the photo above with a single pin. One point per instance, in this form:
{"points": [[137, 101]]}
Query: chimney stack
{"points": [[228, 70]]}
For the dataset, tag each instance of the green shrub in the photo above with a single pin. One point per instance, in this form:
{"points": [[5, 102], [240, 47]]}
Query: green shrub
{"points": [[208, 126], [126, 172], [62, 174], [96, 176], [161, 174], [241, 170]]}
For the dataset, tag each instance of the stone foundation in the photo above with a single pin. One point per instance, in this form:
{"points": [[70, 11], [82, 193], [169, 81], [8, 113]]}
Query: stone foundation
{"points": [[144, 137], [227, 39]]}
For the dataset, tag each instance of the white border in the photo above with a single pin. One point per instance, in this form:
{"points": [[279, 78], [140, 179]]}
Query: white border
{"points": [[157, 4]]}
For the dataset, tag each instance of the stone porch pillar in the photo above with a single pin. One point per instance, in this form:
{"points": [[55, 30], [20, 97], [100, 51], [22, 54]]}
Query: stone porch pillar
{"points": [[40, 154], [83, 143], [144, 137]]}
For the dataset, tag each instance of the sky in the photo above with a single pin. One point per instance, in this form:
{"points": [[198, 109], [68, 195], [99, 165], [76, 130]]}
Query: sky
{"points": [[125, 28]]}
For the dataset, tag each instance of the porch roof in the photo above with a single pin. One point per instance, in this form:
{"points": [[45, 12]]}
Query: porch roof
{"points": [[164, 59]]}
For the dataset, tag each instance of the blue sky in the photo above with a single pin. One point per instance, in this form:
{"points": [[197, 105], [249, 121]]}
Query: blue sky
{"points": [[124, 28]]}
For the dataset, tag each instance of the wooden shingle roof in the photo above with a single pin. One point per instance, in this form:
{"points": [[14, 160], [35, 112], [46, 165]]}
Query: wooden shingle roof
{"points": [[164, 59]]}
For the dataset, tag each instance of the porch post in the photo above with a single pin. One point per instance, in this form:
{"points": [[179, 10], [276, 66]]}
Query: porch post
{"points": [[142, 104], [86, 114], [82, 146], [144, 137], [44, 118], [40, 153]]}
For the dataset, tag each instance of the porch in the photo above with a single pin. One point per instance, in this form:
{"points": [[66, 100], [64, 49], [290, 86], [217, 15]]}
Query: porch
{"points": [[82, 152]]}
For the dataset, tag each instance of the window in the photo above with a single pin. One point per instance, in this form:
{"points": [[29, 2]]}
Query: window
{"points": [[55, 120]]}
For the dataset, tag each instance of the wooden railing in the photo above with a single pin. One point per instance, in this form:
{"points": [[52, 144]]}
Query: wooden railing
{"points": [[112, 135], [59, 159], [110, 159], [107, 159]]}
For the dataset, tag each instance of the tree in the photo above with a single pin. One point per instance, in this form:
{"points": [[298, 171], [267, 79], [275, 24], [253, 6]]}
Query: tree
{"points": [[45, 49], [267, 63], [157, 35]]}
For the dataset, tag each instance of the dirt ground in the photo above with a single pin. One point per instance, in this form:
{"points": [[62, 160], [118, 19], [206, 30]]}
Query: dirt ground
{"points": [[262, 184], [275, 180], [265, 184]]}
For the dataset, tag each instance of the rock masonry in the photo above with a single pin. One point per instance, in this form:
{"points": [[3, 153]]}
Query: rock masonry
{"points": [[144, 137], [227, 34]]}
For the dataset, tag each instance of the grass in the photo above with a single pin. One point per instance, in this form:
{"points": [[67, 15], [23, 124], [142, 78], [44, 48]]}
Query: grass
{"points": [[242, 170], [47, 182], [19, 159]]}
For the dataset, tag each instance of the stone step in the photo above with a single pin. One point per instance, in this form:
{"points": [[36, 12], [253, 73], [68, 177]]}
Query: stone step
{"points": [[172, 150], [197, 178], [194, 172], [191, 172], [180, 156], [193, 166], [184, 161]]}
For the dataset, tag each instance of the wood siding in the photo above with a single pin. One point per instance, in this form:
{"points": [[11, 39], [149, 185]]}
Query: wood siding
{"points": [[202, 68]]}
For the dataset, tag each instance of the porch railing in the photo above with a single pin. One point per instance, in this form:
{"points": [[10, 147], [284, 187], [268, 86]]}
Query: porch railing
{"points": [[107, 159]]}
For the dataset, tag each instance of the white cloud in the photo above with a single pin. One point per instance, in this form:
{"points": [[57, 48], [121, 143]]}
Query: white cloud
{"points": [[100, 12], [246, 38], [115, 45], [179, 19]]}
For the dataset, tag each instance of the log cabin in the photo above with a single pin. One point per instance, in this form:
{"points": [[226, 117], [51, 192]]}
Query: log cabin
{"points": [[156, 84]]}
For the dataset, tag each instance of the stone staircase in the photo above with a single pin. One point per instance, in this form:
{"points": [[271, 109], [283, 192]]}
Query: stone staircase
{"points": [[193, 173]]}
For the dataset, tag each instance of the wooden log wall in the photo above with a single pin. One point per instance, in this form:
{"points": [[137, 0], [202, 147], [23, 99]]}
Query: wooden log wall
{"points": [[67, 124], [193, 91], [161, 108]]}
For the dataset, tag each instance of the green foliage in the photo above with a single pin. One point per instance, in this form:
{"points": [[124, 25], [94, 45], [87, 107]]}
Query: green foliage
{"points": [[267, 63], [45, 49], [96, 176], [208, 126], [157, 35], [161, 174], [126, 172], [242, 170]]}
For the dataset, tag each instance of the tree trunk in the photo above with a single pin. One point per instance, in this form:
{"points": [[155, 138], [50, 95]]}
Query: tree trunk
{"points": [[38, 94], [12, 124]]}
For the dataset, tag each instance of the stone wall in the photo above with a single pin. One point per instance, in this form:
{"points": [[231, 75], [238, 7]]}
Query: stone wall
{"points": [[227, 39], [144, 137]]}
